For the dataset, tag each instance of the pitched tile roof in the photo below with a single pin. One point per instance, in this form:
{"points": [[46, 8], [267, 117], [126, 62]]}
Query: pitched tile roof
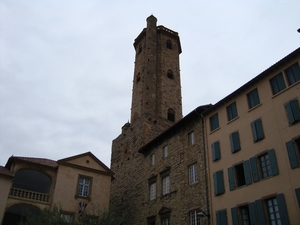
{"points": [[39, 161]]}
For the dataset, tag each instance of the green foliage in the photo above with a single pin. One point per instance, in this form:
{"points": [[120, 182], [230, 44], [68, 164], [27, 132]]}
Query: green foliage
{"points": [[52, 216]]}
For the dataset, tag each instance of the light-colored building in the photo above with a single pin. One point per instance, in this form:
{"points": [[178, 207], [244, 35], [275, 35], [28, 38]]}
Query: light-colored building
{"points": [[253, 145], [76, 184]]}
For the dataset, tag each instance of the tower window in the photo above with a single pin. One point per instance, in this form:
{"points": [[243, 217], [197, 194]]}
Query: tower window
{"points": [[169, 44], [171, 115], [138, 77], [140, 49], [170, 74]]}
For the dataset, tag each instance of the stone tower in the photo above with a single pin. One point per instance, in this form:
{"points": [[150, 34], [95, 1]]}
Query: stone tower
{"points": [[156, 105]]}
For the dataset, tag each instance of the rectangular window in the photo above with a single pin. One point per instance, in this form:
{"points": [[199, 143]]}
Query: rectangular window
{"points": [[214, 122], [264, 165], [165, 151], [293, 74], [166, 185], [235, 142], [273, 211], [194, 218], [191, 138], [293, 111], [66, 217], [165, 221], [293, 149], [221, 217], [253, 98], [257, 130], [239, 175], [244, 215], [83, 186], [232, 111], [277, 83], [152, 159], [216, 151], [218, 183], [152, 191], [193, 173]]}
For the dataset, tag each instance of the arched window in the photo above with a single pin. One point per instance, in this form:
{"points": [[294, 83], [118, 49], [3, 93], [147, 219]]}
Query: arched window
{"points": [[170, 74], [171, 115], [32, 180], [169, 44], [18, 213]]}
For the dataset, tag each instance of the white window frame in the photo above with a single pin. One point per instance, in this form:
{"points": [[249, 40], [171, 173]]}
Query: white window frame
{"points": [[84, 184], [166, 185], [191, 138], [152, 191], [194, 218], [193, 173]]}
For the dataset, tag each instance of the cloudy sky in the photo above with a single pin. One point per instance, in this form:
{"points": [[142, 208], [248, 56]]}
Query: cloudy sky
{"points": [[66, 66]]}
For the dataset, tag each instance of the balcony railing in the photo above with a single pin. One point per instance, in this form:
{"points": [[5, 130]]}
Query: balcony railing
{"points": [[30, 195]]}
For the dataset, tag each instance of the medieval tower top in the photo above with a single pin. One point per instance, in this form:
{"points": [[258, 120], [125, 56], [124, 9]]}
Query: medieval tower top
{"points": [[156, 83]]}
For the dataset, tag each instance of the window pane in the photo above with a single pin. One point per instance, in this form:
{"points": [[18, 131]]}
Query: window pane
{"points": [[166, 185], [83, 187], [193, 173], [191, 138]]}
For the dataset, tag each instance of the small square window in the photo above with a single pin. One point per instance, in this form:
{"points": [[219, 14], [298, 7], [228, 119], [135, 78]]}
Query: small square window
{"points": [[193, 173], [277, 83], [253, 98], [293, 73], [214, 122], [165, 151], [232, 111], [83, 188], [191, 138]]}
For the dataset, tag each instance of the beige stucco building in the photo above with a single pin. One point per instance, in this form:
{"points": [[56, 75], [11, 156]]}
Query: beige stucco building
{"points": [[253, 146], [77, 185]]}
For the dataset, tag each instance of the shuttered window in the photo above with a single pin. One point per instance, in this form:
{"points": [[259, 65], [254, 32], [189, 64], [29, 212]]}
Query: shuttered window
{"points": [[214, 122], [221, 217], [216, 152], [218, 183], [293, 111], [231, 111], [291, 147], [235, 142], [253, 98], [257, 130], [293, 73], [277, 83]]}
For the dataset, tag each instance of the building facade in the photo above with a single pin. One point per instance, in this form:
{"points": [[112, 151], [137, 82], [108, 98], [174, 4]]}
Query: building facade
{"points": [[253, 146], [158, 159], [76, 185]]}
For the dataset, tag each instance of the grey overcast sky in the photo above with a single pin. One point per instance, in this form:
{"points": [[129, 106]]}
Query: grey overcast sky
{"points": [[66, 66]]}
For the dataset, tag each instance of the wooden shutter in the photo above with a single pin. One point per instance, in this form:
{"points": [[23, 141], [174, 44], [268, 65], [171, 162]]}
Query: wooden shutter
{"points": [[292, 154], [254, 170], [231, 178], [282, 209], [247, 172], [235, 142], [216, 153], [260, 212], [218, 183], [234, 216], [273, 162]]}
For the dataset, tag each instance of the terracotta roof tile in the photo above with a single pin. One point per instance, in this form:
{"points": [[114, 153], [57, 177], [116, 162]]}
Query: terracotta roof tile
{"points": [[40, 161]]}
